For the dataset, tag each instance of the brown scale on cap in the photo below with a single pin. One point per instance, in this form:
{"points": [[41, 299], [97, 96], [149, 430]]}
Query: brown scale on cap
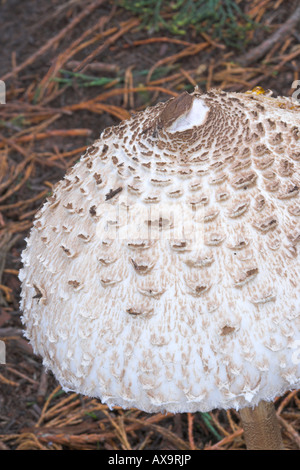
{"points": [[168, 258]]}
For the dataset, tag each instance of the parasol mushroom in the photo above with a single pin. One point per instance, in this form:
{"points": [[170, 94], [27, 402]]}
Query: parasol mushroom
{"points": [[163, 272]]}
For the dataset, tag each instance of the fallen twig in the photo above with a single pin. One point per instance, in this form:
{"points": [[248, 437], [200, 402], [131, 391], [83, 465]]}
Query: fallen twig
{"points": [[258, 52], [290, 430], [188, 51], [124, 29], [87, 10], [226, 440], [52, 133]]}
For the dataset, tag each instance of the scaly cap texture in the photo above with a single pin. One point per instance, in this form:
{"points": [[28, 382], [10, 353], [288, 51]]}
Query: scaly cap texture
{"points": [[163, 272]]}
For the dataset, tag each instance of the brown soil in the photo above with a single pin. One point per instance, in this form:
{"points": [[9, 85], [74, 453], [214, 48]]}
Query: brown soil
{"points": [[54, 123]]}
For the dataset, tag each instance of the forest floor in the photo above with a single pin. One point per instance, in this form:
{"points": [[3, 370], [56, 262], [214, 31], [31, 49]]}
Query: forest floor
{"points": [[71, 69]]}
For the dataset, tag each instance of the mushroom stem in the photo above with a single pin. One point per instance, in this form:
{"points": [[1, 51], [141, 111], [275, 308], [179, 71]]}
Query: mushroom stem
{"points": [[261, 427]]}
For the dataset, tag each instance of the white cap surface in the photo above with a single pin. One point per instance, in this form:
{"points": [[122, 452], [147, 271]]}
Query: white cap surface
{"points": [[163, 272]]}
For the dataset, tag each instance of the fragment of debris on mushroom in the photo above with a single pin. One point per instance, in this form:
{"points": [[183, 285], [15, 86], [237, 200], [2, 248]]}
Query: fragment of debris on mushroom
{"points": [[163, 272]]}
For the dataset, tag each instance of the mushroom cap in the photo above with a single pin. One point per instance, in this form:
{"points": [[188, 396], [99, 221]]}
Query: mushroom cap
{"points": [[163, 272]]}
